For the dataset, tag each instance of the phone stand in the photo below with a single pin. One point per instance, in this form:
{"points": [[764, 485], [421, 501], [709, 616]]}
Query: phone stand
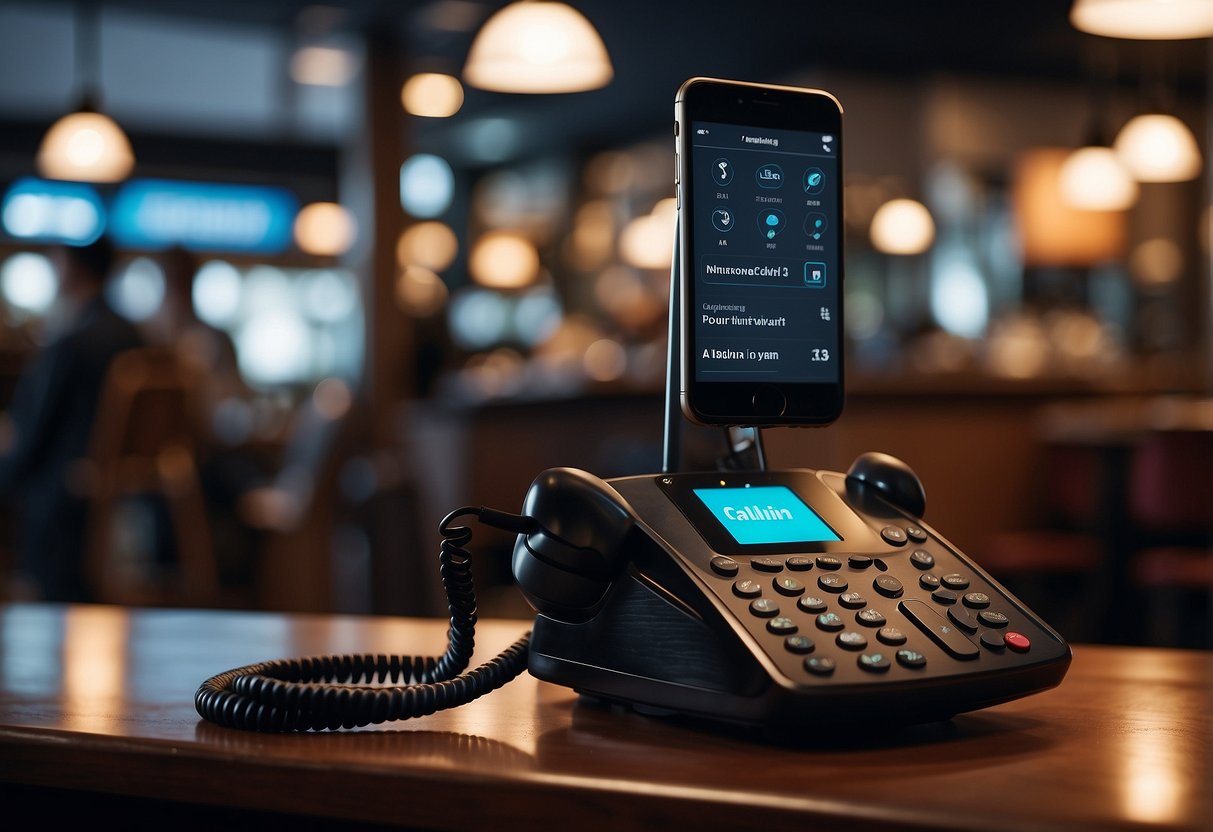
{"points": [[744, 451]]}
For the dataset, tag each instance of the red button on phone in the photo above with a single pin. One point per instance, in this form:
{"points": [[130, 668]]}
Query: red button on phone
{"points": [[1018, 642]]}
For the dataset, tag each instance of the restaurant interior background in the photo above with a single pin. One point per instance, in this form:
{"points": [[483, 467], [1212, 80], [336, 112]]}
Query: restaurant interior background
{"points": [[437, 290]]}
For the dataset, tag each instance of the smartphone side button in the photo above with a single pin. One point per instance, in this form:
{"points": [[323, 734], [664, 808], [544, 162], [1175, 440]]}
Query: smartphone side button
{"points": [[769, 401]]}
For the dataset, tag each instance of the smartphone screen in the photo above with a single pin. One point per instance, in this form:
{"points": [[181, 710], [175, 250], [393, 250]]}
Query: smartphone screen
{"points": [[761, 230]]}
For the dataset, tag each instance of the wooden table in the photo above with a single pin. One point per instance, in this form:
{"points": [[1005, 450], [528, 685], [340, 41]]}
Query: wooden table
{"points": [[97, 717]]}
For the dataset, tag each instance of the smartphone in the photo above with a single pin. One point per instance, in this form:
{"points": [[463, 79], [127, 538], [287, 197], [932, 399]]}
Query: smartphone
{"points": [[759, 186]]}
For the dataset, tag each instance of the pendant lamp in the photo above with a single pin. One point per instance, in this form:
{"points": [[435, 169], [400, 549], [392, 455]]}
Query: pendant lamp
{"points": [[1144, 19], [538, 46], [86, 145]]}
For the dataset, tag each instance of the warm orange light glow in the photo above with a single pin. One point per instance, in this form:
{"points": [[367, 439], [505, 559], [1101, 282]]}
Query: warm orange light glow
{"points": [[429, 244], [504, 260], [325, 229], [86, 147], [432, 95], [1051, 232], [538, 47]]}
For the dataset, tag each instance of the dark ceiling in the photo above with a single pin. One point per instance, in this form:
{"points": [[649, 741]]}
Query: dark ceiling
{"points": [[656, 45]]}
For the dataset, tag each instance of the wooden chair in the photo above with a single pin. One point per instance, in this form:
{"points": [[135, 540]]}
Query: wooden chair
{"points": [[144, 448]]}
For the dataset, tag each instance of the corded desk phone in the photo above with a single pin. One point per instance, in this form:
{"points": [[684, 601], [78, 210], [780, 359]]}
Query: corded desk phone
{"points": [[794, 599]]}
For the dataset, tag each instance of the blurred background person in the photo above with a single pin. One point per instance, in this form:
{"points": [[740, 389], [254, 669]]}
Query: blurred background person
{"points": [[50, 422]]}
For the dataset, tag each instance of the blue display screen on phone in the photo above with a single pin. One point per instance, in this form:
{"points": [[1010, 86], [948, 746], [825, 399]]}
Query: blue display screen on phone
{"points": [[762, 515]]}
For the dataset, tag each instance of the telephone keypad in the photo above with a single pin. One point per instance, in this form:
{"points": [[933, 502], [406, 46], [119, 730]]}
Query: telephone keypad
{"points": [[966, 615]]}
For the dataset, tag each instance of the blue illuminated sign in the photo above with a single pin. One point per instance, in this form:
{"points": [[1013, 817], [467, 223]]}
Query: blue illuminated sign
{"points": [[53, 212], [203, 216], [765, 514]]}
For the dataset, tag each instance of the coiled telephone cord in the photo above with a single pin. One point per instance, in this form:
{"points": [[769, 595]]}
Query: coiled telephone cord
{"points": [[330, 692]]}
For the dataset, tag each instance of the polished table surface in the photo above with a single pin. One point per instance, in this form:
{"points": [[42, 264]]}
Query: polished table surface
{"points": [[98, 701]]}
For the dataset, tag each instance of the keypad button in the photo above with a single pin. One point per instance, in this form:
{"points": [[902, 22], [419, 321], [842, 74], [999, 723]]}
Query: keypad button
{"points": [[992, 618], [859, 561], [851, 640], [724, 566], [767, 564], [993, 640], [811, 603], [891, 635], [895, 535], [941, 631], [828, 562], [922, 559], [871, 617], [888, 586], [1018, 642], [911, 658], [873, 662], [787, 585], [852, 600], [830, 622], [928, 581], [963, 619], [944, 596], [916, 534], [819, 665], [977, 600], [799, 563], [764, 607], [782, 625], [747, 588], [799, 644], [955, 581], [832, 583]]}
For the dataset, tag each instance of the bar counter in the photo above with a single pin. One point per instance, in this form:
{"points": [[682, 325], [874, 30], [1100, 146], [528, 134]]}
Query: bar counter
{"points": [[97, 720]]}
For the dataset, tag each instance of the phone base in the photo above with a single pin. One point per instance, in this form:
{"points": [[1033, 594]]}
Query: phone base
{"points": [[690, 632]]}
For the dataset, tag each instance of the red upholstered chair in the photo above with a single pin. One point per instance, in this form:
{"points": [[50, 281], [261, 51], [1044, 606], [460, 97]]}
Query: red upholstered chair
{"points": [[1051, 566], [1170, 494]]}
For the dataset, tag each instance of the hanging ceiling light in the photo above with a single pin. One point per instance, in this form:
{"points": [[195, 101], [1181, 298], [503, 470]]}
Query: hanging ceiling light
{"points": [[902, 226], [1156, 147], [537, 46], [1093, 179], [1144, 19], [86, 145]]}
